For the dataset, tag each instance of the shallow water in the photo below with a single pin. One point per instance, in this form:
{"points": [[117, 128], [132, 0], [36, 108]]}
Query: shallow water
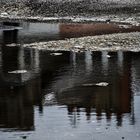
{"points": [[56, 95], [30, 32]]}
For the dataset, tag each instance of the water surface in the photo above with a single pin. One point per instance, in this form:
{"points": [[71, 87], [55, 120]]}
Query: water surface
{"points": [[50, 100]]}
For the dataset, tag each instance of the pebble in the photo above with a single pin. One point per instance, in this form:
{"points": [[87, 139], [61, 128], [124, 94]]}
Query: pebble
{"points": [[4, 14]]}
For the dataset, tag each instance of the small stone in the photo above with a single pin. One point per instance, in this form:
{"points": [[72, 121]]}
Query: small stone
{"points": [[4, 14]]}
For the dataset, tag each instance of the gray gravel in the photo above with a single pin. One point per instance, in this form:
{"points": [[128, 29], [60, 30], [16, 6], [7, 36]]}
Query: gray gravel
{"points": [[55, 8], [112, 42]]}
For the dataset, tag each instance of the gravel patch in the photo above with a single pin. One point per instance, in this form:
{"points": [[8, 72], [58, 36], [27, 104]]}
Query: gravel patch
{"points": [[111, 42]]}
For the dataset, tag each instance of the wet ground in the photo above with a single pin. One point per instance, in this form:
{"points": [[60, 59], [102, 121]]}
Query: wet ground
{"points": [[67, 95]]}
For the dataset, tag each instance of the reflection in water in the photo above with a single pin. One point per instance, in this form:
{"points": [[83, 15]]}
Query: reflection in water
{"points": [[114, 99], [55, 86], [37, 32], [63, 79], [16, 106]]}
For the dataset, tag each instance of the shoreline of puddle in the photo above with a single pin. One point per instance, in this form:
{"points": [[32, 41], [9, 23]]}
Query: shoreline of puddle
{"points": [[77, 36]]}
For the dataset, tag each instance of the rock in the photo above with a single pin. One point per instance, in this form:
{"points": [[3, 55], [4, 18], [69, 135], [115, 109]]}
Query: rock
{"points": [[78, 47], [4, 14], [49, 97]]}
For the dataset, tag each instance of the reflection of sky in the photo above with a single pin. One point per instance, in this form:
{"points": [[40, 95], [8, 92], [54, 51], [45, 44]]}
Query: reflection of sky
{"points": [[63, 128], [41, 28], [52, 126]]}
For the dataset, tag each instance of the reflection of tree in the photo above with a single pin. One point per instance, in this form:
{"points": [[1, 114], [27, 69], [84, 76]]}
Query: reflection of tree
{"points": [[16, 106], [10, 36], [115, 99], [21, 91]]}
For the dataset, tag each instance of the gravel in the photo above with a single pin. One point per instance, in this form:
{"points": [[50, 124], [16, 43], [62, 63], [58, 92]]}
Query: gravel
{"points": [[112, 42]]}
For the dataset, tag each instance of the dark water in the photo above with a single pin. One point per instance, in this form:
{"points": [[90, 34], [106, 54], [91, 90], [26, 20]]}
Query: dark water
{"points": [[50, 100]]}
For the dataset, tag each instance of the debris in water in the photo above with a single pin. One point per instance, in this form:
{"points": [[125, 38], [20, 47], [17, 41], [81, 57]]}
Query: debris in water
{"points": [[103, 84], [56, 54], [49, 99], [89, 84], [49, 96], [12, 45], [17, 71], [108, 56]]}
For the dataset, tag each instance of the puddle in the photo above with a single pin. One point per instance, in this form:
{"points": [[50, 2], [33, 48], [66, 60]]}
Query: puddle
{"points": [[42, 32], [30, 106], [81, 94]]}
